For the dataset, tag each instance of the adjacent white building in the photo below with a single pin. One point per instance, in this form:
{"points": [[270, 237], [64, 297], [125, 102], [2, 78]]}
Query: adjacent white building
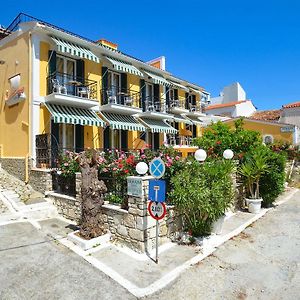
{"points": [[231, 103]]}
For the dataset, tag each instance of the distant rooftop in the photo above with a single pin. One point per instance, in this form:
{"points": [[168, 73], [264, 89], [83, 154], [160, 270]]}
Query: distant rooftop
{"points": [[291, 105], [266, 115], [229, 104]]}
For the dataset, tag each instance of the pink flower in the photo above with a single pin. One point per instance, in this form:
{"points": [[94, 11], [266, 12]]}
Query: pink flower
{"points": [[143, 156], [105, 170], [168, 164], [115, 169], [177, 157], [66, 164]]}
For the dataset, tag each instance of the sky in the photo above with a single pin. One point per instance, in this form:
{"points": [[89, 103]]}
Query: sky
{"points": [[210, 43]]}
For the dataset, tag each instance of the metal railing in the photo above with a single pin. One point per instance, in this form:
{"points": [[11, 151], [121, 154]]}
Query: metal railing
{"points": [[121, 96], [116, 189], [68, 84], [64, 184], [153, 104], [177, 103], [175, 140]]}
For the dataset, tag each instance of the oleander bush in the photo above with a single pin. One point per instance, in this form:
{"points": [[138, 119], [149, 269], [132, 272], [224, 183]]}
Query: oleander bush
{"points": [[202, 193], [219, 137]]}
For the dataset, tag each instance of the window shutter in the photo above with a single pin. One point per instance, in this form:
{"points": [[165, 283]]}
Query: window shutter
{"points": [[123, 86], [54, 143], [79, 138], [143, 94], [104, 85], [156, 92], [80, 70], [176, 94], [167, 96], [187, 101], [194, 99], [124, 140], [51, 62], [156, 141]]}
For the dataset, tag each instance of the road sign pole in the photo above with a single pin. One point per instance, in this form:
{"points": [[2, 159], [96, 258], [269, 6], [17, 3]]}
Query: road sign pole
{"points": [[156, 238]]}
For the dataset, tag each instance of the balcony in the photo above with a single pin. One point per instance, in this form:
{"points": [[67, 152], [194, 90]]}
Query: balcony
{"points": [[178, 106], [118, 100], [72, 90]]}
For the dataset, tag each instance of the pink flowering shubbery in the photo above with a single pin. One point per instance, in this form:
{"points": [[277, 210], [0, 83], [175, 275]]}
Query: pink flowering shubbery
{"points": [[68, 164], [115, 166]]}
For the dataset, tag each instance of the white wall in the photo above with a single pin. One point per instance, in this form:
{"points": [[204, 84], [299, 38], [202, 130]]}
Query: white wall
{"points": [[233, 92], [291, 116], [244, 109]]}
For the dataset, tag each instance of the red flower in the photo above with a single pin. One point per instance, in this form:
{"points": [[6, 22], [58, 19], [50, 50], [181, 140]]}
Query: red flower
{"points": [[120, 166], [126, 171], [218, 142]]}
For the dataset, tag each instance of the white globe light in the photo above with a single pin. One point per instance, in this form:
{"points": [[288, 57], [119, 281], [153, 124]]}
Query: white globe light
{"points": [[228, 154], [141, 168], [200, 155]]}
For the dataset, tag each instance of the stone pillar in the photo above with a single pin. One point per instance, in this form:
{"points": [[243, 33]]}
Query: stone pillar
{"points": [[142, 235]]}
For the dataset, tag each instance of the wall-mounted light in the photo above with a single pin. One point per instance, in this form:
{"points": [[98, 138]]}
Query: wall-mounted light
{"points": [[2, 62]]}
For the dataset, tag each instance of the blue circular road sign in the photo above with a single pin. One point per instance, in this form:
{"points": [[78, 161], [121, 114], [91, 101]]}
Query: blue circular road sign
{"points": [[157, 167]]}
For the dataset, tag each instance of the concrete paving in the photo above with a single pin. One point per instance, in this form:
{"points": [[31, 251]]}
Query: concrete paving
{"points": [[263, 262], [146, 272], [36, 267]]}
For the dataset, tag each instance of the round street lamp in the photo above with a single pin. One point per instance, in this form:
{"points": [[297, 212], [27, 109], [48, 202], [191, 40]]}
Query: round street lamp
{"points": [[228, 154], [141, 168], [200, 155]]}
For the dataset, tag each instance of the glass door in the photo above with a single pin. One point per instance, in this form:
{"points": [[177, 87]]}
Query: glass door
{"points": [[66, 70], [114, 86]]}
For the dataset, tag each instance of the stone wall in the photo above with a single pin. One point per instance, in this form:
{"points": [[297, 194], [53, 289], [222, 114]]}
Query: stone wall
{"points": [[135, 228], [40, 180], [69, 207], [14, 166]]}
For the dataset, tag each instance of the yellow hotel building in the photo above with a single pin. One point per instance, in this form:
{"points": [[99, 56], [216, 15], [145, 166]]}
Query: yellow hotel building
{"points": [[62, 91]]}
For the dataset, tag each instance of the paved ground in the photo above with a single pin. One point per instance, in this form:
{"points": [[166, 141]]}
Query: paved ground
{"points": [[263, 262], [33, 267]]}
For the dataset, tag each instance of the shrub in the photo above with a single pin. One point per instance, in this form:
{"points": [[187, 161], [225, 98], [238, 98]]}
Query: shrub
{"points": [[202, 193], [68, 164], [219, 137], [271, 181]]}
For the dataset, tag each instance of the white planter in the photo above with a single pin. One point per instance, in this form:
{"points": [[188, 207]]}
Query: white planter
{"points": [[217, 225], [254, 205], [88, 244]]}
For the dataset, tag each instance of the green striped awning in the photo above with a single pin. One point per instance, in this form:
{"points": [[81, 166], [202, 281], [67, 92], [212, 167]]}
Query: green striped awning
{"points": [[74, 49], [157, 79], [120, 65], [125, 122], [182, 119], [179, 86], [195, 120], [74, 115], [156, 125]]}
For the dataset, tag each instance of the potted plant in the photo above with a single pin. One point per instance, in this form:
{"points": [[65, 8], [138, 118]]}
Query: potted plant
{"points": [[252, 169]]}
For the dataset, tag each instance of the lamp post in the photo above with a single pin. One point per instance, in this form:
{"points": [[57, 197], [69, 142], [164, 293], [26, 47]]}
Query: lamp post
{"points": [[141, 168], [228, 154], [200, 155]]}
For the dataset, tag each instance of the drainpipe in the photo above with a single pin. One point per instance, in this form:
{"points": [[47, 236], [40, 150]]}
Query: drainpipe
{"points": [[29, 109]]}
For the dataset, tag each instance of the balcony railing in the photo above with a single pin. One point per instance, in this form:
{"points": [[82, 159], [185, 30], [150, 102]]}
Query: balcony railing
{"points": [[177, 103], [153, 104], [175, 140], [117, 95], [68, 84]]}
